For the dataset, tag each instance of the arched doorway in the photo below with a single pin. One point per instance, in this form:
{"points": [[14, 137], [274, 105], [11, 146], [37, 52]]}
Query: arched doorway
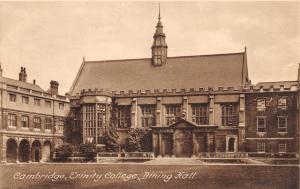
{"points": [[231, 142], [24, 151], [11, 150], [46, 151], [183, 143], [36, 151]]}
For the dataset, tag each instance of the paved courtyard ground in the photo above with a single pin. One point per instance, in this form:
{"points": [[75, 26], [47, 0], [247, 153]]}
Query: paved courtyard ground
{"points": [[144, 176]]}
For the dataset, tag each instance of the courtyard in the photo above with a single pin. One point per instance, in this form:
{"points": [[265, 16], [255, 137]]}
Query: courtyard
{"points": [[190, 174]]}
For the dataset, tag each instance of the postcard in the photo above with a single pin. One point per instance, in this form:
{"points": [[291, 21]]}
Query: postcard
{"points": [[189, 95]]}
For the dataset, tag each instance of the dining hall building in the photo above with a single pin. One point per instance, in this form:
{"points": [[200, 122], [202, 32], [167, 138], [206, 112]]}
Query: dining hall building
{"points": [[191, 104]]}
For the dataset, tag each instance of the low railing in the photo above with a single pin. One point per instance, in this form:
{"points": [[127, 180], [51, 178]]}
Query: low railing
{"points": [[223, 155], [125, 155], [247, 154], [273, 155], [107, 155]]}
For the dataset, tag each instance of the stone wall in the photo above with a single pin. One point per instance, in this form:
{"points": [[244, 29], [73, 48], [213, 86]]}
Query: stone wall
{"points": [[271, 137]]}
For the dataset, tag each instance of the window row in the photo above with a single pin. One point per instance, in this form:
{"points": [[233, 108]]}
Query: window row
{"points": [[94, 115], [173, 113], [261, 104], [261, 147], [281, 124], [37, 122], [200, 114], [36, 101]]}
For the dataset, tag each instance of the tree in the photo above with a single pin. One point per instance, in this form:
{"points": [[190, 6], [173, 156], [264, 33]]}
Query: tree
{"points": [[64, 151], [88, 151], [146, 141], [68, 133], [111, 137], [139, 140], [112, 141]]}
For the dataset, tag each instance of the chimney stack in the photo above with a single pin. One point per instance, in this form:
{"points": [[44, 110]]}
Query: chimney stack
{"points": [[23, 74], [54, 87]]}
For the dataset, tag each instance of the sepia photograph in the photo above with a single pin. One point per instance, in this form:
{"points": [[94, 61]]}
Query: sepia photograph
{"points": [[149, 94]]}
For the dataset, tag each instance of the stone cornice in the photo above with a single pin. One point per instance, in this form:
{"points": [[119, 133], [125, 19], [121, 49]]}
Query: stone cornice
{"points": [[186, 92], [29, 134]]}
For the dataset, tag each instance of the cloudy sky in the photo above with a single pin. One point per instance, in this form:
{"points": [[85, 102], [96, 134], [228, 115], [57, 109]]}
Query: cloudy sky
{"points": [[50, 38]]}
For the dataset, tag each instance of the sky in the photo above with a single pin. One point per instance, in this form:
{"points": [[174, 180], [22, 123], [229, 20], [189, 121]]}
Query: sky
{"points": [[51, 38]]}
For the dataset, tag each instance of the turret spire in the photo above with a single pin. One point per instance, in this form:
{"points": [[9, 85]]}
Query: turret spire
{"points": [[159, 12], [159, 47]]}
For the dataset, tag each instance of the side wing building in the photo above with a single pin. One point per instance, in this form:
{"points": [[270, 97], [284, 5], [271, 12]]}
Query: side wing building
{"points": [[32, 120]]}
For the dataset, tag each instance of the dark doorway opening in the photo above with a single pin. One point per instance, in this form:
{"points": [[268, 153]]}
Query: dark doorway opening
{"points": [[36, 150], [11, 150], [24, 151], [231, 145]]}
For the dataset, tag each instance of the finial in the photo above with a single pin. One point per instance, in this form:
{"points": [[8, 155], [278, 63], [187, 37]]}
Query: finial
{"points": [[159, 12], [245, 49], [83, 58]]}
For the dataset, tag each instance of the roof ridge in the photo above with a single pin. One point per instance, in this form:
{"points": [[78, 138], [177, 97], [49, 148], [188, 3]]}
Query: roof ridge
{"points": [[276, 81], [201, 55], [18, 80], [171, 57], [21, 82], [115, 60]]}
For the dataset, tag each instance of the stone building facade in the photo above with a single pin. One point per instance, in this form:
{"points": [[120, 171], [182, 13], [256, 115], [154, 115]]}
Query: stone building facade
{"points": [[191, 104], [31, 121], [271, 118], [183, 122]]}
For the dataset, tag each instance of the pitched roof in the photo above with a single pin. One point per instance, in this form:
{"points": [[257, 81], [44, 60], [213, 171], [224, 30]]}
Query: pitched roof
{"points": [[178, 73], [22, 84], [276, 84]]}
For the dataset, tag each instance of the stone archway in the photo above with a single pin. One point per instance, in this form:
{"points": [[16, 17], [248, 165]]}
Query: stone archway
{"points": [[24, 151], [231, 144], [36, 151], [46, 151], [11, 150]]}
